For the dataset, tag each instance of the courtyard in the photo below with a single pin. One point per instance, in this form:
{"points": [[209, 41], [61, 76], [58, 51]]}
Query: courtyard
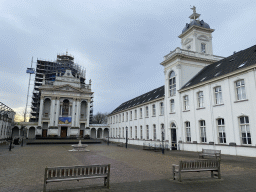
{"points": [[132, 169]]}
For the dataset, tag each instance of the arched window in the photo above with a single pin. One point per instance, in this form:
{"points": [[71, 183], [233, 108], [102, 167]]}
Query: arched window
{"points": [[172, 83], [65, 107]]}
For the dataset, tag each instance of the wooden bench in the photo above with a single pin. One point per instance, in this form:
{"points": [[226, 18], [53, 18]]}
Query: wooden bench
{"points": [[197, 166], [56, 174], [210, 153]]}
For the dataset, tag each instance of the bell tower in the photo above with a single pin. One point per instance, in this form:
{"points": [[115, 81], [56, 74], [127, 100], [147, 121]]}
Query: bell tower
{"points": [[197, 35]]}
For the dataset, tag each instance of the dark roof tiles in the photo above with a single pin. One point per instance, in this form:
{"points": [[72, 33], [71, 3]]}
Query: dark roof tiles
{"points": [[149, 96], [230, 64]]}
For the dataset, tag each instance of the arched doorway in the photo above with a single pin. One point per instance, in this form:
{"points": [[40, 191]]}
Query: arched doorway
{"points": [[31, 133], [93, 133], [173, 136], [99, 133], [15, 132], [105, 135]]}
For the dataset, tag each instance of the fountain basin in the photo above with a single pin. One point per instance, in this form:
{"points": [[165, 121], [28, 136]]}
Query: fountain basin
{"points": [[79, 147]]}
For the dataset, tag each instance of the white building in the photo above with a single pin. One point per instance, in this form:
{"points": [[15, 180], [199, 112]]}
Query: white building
{"points": [[6, 121], [207, 100]]}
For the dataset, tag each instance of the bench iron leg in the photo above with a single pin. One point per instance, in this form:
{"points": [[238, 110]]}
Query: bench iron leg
{"points": [[212, 175]]}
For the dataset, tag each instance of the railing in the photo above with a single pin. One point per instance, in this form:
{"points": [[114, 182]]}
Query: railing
{"points": [[85, 86], [192, 53], [49, 82]]}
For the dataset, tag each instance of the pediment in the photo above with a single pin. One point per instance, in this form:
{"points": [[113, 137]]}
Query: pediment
{"points": [[188, 40], [203, 37]]}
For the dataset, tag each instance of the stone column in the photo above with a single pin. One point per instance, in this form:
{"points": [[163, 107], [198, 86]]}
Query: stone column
{"points": [[78, 104], [96, 133], [41, 111], [52, 115], [57, 112], [88, 113], [73, 113]]}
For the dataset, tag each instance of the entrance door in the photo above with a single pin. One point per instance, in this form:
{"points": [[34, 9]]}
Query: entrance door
{"points": [[81, 133], [44, 133], [174, 139], [63, 132]]}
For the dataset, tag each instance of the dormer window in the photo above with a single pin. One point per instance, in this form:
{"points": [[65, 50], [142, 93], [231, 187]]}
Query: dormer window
{"points": [[203, 48]]}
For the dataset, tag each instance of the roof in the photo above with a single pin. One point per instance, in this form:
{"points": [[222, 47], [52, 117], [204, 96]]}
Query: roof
{"points": [[239, 60], [197, 23], [149, 96]]}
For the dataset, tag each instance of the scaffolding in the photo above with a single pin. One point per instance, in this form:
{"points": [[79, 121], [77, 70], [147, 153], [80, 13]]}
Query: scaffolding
{"points": [[5, 111], [49, 70]]}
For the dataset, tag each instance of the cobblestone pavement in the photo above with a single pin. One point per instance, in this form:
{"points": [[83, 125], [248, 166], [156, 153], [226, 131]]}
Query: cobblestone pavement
{"points": [[132, 169]]}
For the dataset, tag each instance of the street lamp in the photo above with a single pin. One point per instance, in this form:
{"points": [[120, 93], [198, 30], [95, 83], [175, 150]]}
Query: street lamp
{"points": [[126, 136], [10, 146], [162, 128], [108, 136], [22, 136]]}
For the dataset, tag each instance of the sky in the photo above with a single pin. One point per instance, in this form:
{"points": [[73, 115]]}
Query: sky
{"points": [[121, 43]]}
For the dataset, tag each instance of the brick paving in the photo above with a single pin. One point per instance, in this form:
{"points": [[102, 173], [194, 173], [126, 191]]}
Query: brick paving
{"points": [[132, 169]]}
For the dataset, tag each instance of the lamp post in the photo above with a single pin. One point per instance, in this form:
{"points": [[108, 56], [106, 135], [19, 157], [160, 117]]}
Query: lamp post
{"points": [[126, 136], [108, 136], [10, 146], [22, 136], [162, 139]]}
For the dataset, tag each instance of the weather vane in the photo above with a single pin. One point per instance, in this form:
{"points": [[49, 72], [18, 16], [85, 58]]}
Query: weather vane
{"points": [[194, 9]]}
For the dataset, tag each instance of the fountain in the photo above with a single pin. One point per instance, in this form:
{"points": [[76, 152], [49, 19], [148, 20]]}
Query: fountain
{"points": [[79, 147]]}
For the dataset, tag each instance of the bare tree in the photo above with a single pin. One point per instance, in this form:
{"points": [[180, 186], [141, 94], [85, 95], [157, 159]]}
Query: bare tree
{"points": [[100, 118]]}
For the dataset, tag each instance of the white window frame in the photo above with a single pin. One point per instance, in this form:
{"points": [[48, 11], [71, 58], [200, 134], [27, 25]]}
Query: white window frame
{"points": [[202, 126], [119, 118], [161, 104], [126, 116], [246, 138], [136, 133], [221, 131], [147, 130], [172, 83], [135, 114], [172, 105], [146, 111], [131, 132], [153, 110], [130, 115], [140, 112], [186, 102], [200, 99], [218, 95], [123, 132], [154, 131], [240, 90], [141, 132], [188, 131]]}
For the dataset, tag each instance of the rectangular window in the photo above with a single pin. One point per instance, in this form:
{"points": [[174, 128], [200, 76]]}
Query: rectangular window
{"points": [[141, 132], [202, 47], [154, 129], [119, 118], [131, 132], [221, 130], [218, 95], [245, 130], [172, 106], [116, 118], [136, 136], [146, 113], [135, 114], [202, 131], [200, 99], [161, 108], [130, 115], [119, 132], [140, 112], [162, 132], [240, 90], [186, 102], [116, 133], [123, 117], [147, 132], [153, 110], [126, 116], [188, 132], [123, 132]]}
